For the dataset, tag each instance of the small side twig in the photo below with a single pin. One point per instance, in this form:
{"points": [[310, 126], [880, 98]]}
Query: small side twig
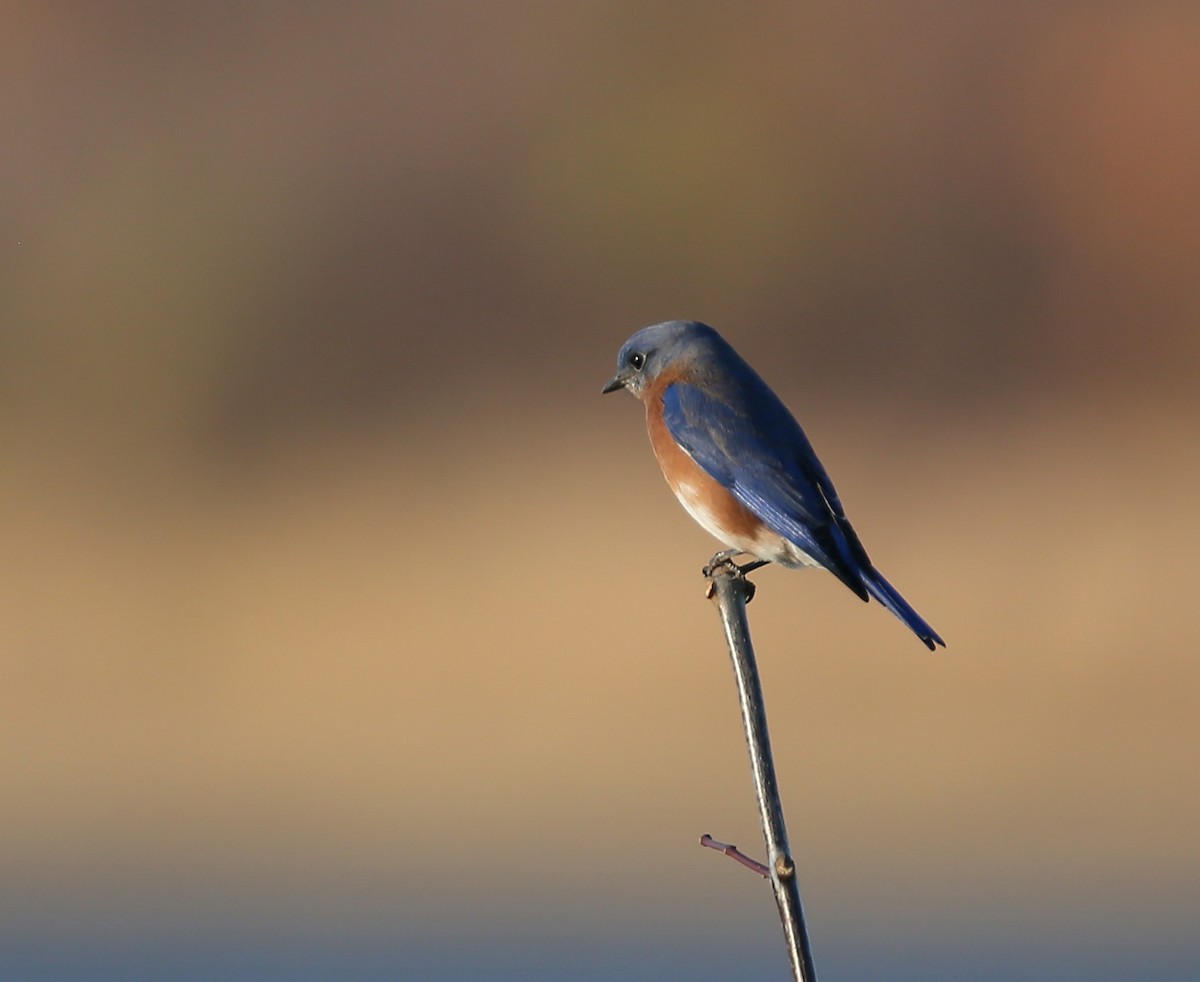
{"points": [[731, 590], [734, 853]]}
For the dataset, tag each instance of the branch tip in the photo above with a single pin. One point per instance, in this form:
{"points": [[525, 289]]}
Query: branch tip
{"points": [[734, 853]]}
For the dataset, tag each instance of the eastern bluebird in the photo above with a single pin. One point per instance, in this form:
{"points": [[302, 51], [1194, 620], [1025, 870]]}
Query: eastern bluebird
{"points": [[739, 463]]}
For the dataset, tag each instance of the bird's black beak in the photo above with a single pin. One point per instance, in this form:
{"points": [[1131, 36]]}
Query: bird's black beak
{"points": [[614, 383]]}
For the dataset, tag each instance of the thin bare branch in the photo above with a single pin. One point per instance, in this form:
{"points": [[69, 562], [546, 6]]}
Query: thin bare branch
{"points": [[731, 590], [734, 853]]}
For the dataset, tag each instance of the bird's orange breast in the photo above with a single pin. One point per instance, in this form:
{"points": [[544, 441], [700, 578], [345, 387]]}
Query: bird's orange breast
{"points": [[708, 501]]}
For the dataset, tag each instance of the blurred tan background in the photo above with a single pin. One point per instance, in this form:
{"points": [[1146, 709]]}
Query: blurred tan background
{"points": [[346, 630]]}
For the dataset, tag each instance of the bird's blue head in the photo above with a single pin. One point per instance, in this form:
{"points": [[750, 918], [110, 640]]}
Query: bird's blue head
{"points": [[656, 349]]}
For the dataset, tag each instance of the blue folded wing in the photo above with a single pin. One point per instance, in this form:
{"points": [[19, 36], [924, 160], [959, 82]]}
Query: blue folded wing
{"points": [[769, 466]]}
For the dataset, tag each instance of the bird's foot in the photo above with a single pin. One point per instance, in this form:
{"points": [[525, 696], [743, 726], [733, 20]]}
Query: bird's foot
{"points": [[724, 560]]}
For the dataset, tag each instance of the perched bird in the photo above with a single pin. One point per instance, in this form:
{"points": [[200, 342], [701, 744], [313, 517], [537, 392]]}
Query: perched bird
{"points": [[739, 462]]}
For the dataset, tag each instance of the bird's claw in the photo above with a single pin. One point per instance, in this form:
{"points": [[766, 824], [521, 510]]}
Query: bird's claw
{"points": [[724, 560]]}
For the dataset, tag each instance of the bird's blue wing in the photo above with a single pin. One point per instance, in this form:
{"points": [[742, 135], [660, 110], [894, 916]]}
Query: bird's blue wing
{"points": [[758, 451]]}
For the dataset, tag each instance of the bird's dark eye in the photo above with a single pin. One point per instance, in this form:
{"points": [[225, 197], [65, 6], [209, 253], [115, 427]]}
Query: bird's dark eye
{"points": [[637, 360]]}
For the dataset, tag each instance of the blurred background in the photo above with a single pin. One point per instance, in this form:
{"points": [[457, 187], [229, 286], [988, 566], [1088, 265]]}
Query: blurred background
{"points": [[347, 632]]}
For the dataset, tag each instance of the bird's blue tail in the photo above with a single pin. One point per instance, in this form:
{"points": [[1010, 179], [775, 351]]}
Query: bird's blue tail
{"points": [[886, 594]]}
